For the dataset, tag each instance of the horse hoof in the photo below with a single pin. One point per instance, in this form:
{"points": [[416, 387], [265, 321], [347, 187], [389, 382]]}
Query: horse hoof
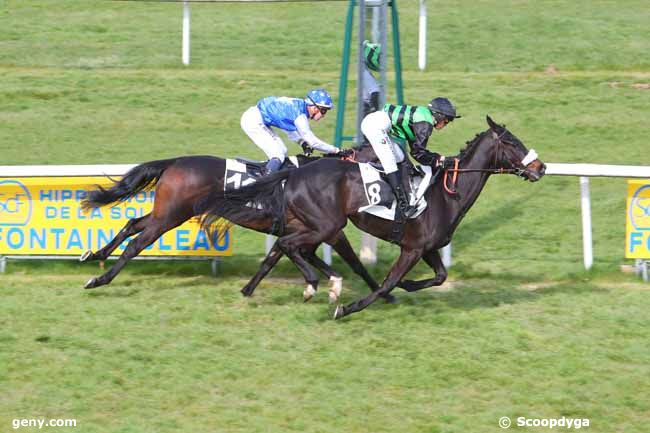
{"points": [[308, 293], [339, 312], [92, 283], [389, 299], [247, 293], [85, 256], [335, 289]]}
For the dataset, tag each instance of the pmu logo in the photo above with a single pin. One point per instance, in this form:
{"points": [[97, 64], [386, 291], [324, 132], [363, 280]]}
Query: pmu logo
{"points": [[640, 208], [15, 203]]}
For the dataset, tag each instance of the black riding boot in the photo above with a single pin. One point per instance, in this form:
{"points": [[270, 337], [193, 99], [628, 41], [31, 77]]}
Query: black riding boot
{"points": [[395, 182], [273, 165]]}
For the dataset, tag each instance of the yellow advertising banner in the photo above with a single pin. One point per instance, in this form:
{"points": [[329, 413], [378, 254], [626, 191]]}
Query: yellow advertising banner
{"points": [[43, 216], [637, 227]]}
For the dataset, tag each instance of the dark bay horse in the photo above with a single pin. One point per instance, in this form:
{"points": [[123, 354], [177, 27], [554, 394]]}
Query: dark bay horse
{"points": [[321, 197], [183, 188]]}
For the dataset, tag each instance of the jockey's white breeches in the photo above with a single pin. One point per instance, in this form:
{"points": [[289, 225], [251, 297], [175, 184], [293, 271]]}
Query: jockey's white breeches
{"points": [[376, 126], [263, 136]]}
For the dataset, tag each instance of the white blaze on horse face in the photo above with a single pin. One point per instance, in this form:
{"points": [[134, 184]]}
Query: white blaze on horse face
{"points": [[530, 157], [335, 289]]}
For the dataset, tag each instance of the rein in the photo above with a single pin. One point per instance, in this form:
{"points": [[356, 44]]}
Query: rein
{"points": [[451, 188], [352, 157]]}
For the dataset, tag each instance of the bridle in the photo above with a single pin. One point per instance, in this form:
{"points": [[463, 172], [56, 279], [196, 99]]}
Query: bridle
{"points": [[530, 157]]}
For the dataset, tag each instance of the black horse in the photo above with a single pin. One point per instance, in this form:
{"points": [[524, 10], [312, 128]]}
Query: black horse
{"points": [[321, 197], [183, 188]]}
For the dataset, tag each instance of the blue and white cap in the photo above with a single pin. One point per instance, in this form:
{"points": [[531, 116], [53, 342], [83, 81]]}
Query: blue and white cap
{"points": [[319, 98]]}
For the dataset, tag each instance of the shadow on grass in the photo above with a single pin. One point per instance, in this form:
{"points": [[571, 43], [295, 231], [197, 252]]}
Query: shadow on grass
{"points": [[114, 293], [479, 227], [124, 288], [476, 294]]}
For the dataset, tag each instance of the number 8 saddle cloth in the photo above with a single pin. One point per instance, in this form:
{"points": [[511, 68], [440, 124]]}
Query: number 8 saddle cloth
{"points": [[381, 200]]}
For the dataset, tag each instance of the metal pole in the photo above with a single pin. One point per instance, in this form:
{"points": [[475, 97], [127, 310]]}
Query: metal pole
{"points": [[397, 54], [270, 240], [368, 253], [375, 31], [3, 264], [383, 62], [186, 32], [586, 223], [446, 255], [422, 45], [214, 265], [343, 80], [360, 66], [327, 254]]}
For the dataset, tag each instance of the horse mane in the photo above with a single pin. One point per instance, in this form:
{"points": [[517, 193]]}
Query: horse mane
{"points": [[471, 145]]}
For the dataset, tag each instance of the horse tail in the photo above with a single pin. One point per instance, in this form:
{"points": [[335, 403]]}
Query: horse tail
{"points": [[139, 178], [264, 198]]}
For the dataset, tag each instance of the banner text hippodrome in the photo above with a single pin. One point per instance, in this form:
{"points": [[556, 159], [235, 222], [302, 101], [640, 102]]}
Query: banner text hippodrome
{"points": [[57, 195]]}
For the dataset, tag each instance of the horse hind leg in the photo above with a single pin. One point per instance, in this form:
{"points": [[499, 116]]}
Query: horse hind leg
{"points": [[132, 227], [269, 262], [336, 280], [134, 247]]}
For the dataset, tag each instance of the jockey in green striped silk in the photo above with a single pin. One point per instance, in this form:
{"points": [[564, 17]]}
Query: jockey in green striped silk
{"points": [[396, 124]]}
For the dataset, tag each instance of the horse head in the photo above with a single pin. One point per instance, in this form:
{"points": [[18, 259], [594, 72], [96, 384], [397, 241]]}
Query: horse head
{"points": [[511, 154]]}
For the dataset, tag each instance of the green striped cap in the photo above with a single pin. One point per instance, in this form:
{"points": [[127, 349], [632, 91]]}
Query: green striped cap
{"points": [[371, 53]]}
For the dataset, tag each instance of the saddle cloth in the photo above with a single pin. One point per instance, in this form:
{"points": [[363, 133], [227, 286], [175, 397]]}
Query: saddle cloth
{"points": [[241, 172], [381, 200]]}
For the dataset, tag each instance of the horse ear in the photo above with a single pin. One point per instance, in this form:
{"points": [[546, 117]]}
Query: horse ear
{"points": [[493, 125]]}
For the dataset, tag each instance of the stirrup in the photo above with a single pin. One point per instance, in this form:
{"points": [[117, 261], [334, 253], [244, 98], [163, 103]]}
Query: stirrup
{"points": [[408, 211]]}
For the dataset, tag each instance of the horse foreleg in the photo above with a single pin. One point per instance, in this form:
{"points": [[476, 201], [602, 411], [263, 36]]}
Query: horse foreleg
{"points": [[270, 260], [134, 247], [346, 252], [133, 226], [432, 258], [405, 262]]}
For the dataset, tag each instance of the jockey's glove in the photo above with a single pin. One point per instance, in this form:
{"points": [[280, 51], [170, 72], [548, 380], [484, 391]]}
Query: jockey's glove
{"points": [[306, 148], [447, 163], [345, 153]]}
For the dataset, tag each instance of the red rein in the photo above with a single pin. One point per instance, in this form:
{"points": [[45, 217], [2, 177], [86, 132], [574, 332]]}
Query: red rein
{"points": [[451, 191]]}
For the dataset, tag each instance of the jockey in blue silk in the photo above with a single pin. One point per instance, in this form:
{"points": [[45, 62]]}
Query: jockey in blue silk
{"points": [[291, 115]]}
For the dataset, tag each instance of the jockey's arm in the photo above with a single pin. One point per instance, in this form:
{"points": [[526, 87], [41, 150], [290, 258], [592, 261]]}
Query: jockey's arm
{"points": [[304, 132], [372, 104], [419, 152]]}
